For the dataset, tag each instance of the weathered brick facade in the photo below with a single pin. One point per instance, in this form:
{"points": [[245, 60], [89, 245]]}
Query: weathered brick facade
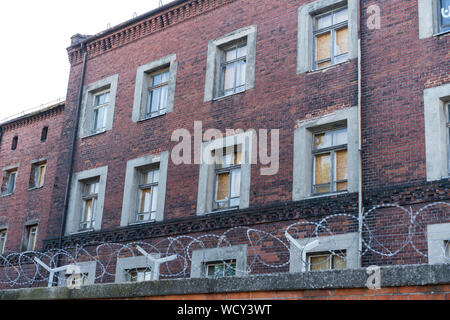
{"points": [[396, 68]]}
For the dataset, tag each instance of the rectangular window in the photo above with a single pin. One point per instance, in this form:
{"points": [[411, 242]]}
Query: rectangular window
{"points": [[331, 38], [448, 137], [330, 162], [447, 249], [89, 199], [233, 68], [228, 179], [31, 237], [147, 195], [158, 86], [9, 182], [15, 140], [221, 269], [444, 15], [100, 110], [139, 275], [44, 134], [326, 260], [37, 175], [3, 234]]}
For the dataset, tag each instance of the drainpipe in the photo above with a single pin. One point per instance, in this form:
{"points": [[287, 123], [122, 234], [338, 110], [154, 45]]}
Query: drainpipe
{"points": [[360, 188], [74, 141]]}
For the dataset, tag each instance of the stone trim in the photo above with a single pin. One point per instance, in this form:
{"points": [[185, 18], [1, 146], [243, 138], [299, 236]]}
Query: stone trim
{"points": [[213, 60], [435, 131], [394, 276], [302, 163], [305, 30], [437, 234], [74, 211], [110, 83], [131, 183], [202, 256]]}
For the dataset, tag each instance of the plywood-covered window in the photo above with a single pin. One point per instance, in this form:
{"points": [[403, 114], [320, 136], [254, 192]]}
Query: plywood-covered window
{"points": [[37, 175], [89, 199], [331, 38], [228, 178], [158, 86], [326, 260], [330, 162], [147, 194]]}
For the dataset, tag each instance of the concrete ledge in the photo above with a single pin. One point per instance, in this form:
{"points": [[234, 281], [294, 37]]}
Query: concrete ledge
{"points": [[413, 275]]}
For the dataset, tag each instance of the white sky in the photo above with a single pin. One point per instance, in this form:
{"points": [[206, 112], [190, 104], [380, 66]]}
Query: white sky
{"points": [[34, 67]]}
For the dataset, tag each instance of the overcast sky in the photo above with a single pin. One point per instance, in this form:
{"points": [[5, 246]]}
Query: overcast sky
{"points": [[34, 67]]}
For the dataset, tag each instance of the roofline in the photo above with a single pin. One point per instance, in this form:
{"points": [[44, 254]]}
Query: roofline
{"points": [[129, 22], [33, 113]]}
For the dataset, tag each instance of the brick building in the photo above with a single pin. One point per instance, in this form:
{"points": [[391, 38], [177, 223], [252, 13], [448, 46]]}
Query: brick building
{"points": [[354, 98]]}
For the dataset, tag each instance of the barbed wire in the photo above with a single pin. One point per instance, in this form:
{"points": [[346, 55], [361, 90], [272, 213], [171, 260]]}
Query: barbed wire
{"points": [[264, 251]]}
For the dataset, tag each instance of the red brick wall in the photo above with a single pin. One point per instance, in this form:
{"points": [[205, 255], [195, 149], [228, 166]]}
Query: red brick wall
{"points": [[438, 292]]}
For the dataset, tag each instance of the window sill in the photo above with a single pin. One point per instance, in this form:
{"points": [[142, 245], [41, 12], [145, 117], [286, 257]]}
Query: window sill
{"points": [[228, 95], [224, 210], [327, 68], [325, 195], [35, 188], [141, 222], [152, 117], [442, 33], [92, 134], [82, 231], [6, 195]]}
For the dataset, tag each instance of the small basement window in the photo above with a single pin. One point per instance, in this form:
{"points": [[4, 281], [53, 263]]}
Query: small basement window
{"points": [[326, 260], [218, 269]]}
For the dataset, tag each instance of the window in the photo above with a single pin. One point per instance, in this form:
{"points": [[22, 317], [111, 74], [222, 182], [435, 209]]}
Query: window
{"points": [[99, 99], [219, 262], [448, 137], [155, 88], [331, 38], [326, 261], [157, 93], [232, 68], [30, 237], [148, 195], [327, 34], [221, 269], [89, 199], [330, 161], [447, 249], [37, 175], [3, 234], [100, 110], [230, 65], [326, 156], [225, 174], [139, 275], [87, 274], [145, 189], [9, 182], [44, 134], [228, 179], [444, 15], [438, 243], [437, 136], [15, 140], [339, 251]]}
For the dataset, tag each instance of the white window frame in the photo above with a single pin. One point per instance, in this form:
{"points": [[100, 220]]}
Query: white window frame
{"points": [[12, 169], [213, 65], [347, 242], [35, 165], [75, 201], [26, 245], [141, 88], [3, 239], [206, 184], [305, 40], [130, 193], [303, 155], [436, 132], [87, 105]]}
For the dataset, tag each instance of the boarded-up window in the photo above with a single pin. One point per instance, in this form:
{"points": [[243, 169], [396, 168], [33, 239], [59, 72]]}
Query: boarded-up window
{"points": [[331, 38], [330, 161], [37, 175]]}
